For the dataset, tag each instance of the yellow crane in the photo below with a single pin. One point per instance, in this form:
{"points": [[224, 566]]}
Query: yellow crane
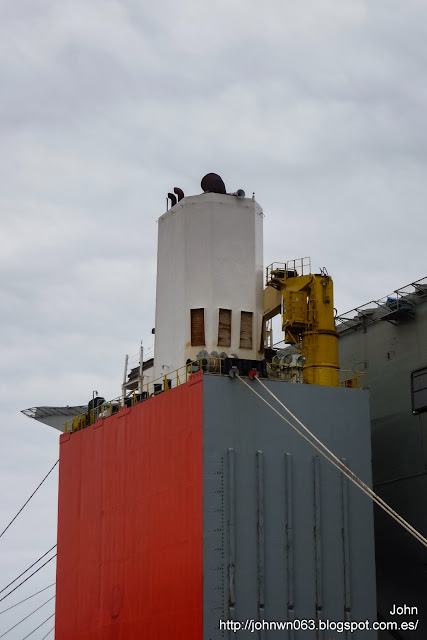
{"points": [[305, 301]]}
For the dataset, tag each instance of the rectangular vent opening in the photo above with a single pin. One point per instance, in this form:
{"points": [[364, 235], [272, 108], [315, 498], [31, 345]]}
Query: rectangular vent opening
{"points": [[224, 328], [197, 327], [246, 330]]}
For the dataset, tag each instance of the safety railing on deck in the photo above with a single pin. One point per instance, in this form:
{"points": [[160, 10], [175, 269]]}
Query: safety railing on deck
{"points": [[212, 365], [277, 271], [400, 303], [351, 379], [153, 388], [284, 372]]}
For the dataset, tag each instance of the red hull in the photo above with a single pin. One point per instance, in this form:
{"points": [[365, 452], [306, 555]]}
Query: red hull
{"points": [[130, 524]]}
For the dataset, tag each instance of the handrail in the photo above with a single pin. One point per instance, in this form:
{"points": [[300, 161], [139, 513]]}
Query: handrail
{"points": [[173, 379], [287, 373], [350, 379], [404, 298], [161, 384], [276, 271]]}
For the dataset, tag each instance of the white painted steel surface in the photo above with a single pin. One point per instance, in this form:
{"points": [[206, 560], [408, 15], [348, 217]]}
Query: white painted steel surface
{"points": [[210, 255]]}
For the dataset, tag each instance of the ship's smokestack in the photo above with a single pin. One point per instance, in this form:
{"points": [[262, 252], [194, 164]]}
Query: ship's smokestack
{"points": [[203, 302]]}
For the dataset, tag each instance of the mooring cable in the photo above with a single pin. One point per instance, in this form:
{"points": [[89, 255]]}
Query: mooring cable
{"points": [[27, 501], [27, 569], [344, 466], [28, 598], [340, 466], [40, 625], [30, 576], [26, 617]]}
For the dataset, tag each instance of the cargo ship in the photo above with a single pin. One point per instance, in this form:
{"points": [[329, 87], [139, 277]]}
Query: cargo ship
{"points": [[200, 503]]}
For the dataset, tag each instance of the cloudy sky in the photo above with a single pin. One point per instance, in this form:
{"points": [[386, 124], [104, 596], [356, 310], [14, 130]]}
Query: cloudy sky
{"points": [[317, 106]]}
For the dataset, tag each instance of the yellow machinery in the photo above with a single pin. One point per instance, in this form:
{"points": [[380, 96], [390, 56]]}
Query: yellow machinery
{"points": [[306, 303]]}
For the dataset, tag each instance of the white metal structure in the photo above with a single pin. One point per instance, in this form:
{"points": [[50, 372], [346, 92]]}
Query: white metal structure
{"points": [[210, 257], [54, 416]]}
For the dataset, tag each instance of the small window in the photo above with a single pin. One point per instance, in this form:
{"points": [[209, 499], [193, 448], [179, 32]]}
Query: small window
{"points": [[224, 328], [419, 390], [246, 330], [197, 327]]}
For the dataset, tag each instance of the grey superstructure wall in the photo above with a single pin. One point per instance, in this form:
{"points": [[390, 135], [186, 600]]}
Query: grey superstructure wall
{"points": [[285, 537], [388, 354]]}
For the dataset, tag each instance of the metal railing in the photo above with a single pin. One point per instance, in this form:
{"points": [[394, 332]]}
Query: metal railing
{"points": [[286, 373], [172, 379], [404, 300], [279, 270], [350, 379], [162, 384]]}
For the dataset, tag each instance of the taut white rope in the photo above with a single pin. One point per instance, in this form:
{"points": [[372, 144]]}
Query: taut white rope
{"points": [[336, 462]]}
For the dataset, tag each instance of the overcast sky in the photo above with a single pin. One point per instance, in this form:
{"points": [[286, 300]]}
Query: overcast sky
{"points": [[317, 106]]}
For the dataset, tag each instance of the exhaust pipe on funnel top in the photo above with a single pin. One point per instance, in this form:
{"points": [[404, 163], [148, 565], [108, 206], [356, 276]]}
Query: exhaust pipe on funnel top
{"points": [[239, 193], [179, 192], [172, 198]]}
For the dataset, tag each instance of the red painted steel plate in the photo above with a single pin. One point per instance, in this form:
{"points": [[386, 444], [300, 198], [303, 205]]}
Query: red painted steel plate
{"points": [[130, 524]]}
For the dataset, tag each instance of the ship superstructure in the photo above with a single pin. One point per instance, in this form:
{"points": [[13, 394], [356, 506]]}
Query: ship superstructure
{"points": [[209, 280], [191, 501]]}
